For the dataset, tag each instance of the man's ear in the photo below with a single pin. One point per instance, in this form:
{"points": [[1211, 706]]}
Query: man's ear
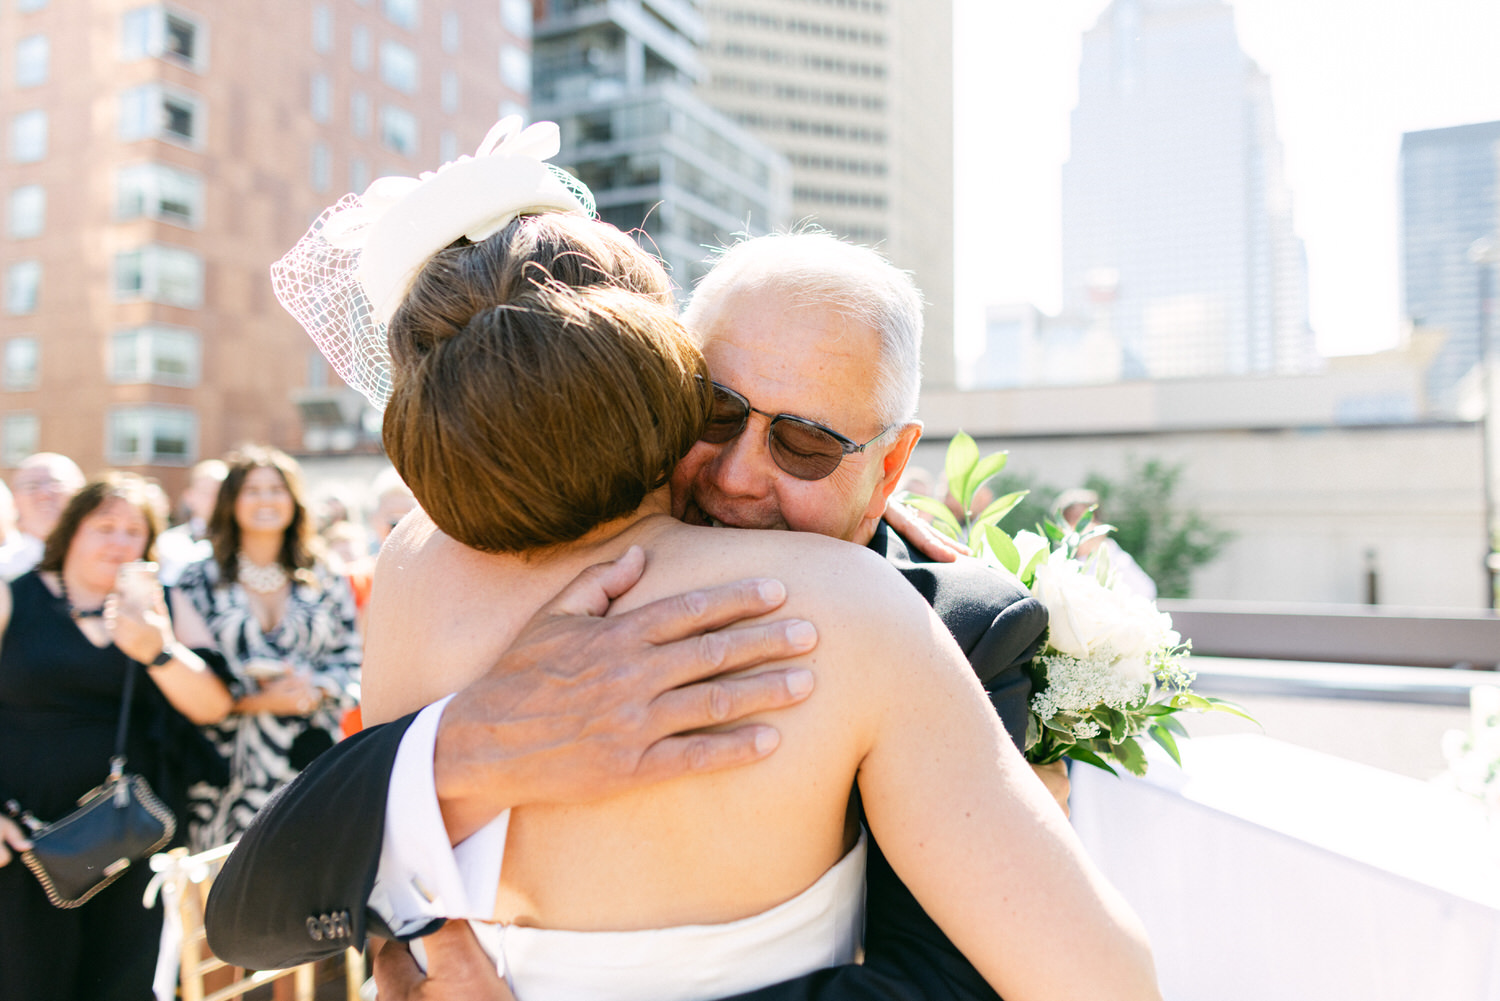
{"points": [[892, 466]]}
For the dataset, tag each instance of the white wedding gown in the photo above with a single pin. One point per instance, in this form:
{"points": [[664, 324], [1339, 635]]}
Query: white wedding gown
{"points": [[820, 927]]}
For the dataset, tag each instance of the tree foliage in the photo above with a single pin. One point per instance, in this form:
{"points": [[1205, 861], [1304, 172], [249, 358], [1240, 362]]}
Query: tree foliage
{"points": [[1167, 540]]}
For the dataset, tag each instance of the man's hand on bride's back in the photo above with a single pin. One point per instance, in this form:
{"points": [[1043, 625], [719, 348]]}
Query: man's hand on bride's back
{"points": [[459, 969], [583, 706]]}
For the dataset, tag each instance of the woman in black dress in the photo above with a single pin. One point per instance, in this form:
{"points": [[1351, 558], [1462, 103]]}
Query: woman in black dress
{"points": [[66, 641]]}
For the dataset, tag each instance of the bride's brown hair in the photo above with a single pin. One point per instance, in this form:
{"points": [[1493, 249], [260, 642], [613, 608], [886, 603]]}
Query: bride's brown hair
{"points": [[542, 384]]}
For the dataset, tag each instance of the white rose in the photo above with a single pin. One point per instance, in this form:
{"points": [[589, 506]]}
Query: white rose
{"points": [[1085, 617]]}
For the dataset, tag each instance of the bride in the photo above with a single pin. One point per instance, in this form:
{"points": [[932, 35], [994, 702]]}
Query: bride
{"points": [[542, 392]]}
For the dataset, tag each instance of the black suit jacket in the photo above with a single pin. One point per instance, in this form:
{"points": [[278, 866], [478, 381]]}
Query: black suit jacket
{"points": [[295, 888]]}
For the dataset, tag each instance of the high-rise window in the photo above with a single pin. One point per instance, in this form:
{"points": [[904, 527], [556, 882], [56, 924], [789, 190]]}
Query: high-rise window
{"points": [[157, 191], [398, 130], [320, 101], [447, 147], [28, 212], [448, 90], [359, 174], [28, 136], [515, 68], [359, 48], [450, 31], [322, 28], [27, 6], [398, 66], [159, 354], [516, 16], [23, 287], [401, 12], [22, 363], [359, 113], [321, 168], [152, 111], [155, 32], [32, 56], [19, 434], [160, 273], [161, 436]]}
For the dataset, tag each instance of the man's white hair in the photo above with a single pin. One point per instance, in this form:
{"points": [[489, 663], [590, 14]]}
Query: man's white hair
{"points": [[816, 268]]}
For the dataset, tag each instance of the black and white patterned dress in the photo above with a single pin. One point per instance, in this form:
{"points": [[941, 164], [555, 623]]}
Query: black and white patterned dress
{"points": [[317, 635]]}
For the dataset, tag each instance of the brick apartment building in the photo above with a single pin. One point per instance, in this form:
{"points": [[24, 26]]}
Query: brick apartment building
{"points": [[158, 157]]}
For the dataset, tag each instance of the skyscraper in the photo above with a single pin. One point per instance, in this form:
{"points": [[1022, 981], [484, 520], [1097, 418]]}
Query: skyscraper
{"points": [[859, 96], [1450, 197], [1174, 194], [618, 77], [159, 158]]}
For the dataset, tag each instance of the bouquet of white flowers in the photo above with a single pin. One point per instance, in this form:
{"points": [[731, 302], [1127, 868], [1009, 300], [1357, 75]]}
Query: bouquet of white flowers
{"points": [[1112, 669], [1474, 757]]}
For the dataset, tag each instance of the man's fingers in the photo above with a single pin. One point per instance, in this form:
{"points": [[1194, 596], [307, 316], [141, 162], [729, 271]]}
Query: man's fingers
{"points": [[397, 976], [682, 615], [671, 757], [454, 954], [592, 590], [457, 969], [734, 649], [724, 700]]}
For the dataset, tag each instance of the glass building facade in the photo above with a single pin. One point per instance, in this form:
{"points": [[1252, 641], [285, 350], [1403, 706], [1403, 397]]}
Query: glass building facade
{"points": [[1450, 197]]}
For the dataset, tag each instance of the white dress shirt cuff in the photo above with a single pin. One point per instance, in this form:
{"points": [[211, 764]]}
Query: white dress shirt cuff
{"points": [[421, 876]]}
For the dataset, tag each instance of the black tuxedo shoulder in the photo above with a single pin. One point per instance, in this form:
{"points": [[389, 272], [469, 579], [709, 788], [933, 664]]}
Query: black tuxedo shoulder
{"points": [[996, 621]]}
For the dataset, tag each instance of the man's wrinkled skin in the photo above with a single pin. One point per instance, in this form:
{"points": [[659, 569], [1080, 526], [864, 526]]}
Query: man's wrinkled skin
{"points": [[581, 706]]}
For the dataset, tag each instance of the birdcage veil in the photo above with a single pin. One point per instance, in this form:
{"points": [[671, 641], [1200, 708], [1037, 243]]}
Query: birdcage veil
{"points": [[344, 279]]}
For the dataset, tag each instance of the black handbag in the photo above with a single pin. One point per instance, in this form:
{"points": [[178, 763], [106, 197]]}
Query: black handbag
{"points": [[115, 826]]}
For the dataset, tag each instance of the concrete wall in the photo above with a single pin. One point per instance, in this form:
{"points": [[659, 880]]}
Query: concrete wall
{"points": [[1305, 504]]}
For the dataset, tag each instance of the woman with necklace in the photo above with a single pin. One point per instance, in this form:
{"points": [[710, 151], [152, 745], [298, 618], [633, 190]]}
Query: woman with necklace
{"points": [[285, 623], [70, 635]]}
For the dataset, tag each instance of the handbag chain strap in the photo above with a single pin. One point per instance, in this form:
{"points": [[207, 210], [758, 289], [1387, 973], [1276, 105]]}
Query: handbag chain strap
{"points": [[117, 760]]}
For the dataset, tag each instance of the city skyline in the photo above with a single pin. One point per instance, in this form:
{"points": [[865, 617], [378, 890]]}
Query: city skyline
{"points": [[1346, 83]]}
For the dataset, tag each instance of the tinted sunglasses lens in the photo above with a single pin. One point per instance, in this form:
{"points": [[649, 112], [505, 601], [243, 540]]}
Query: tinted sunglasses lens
{"points": [[727, 418], [803, 450]]}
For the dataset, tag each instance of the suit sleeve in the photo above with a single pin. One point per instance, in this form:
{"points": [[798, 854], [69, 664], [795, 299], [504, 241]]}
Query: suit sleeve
{"points": [[295, 888]]}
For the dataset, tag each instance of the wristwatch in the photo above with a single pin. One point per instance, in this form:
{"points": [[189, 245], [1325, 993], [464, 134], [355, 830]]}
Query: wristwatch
{"points": [[167, 655]]}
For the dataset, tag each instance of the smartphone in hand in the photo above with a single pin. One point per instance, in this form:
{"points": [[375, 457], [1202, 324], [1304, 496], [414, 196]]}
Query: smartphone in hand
{"points": [[138, 586]]}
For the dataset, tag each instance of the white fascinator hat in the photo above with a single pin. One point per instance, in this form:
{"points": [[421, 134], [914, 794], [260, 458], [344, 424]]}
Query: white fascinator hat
{"points": [[345, 278]]}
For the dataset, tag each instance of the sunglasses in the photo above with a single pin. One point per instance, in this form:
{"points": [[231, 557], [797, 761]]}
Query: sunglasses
{"points": [[803, 448]]}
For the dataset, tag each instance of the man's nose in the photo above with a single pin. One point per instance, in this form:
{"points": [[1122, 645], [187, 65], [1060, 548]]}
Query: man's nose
{"points": [[744, 467]]}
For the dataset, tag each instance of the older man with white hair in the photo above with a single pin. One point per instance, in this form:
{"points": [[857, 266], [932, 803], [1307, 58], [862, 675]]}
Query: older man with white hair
{"points": [[813, 346], [43, 484]]}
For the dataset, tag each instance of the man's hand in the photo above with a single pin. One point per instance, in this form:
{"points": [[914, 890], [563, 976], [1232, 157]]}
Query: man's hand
{"points": [[458, 969], [582, 706], [923, 537], [1055, 778]]}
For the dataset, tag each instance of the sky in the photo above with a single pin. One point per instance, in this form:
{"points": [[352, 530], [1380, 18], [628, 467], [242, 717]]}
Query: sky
{"points": [[1348, 77]]}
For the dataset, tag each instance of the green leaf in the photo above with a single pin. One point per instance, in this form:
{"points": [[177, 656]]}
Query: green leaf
{"points": [[1004, 549], [942, 518], [1033, 731], [987, 467], [998, 509], [1129, 754], [1157, 709], [963, 454], [1173, 724], [1117, 727], [1190, 700], [1225, 706], [1054, 531], [1164, 737], [1080, 753]]}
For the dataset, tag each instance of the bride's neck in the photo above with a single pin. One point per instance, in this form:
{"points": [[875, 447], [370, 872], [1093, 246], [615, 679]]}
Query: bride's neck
{"points": [[608, 540]]}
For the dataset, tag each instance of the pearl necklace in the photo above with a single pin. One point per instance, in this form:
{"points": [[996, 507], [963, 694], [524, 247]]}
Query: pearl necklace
{"points": [[76, 613], [266, 579]]}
